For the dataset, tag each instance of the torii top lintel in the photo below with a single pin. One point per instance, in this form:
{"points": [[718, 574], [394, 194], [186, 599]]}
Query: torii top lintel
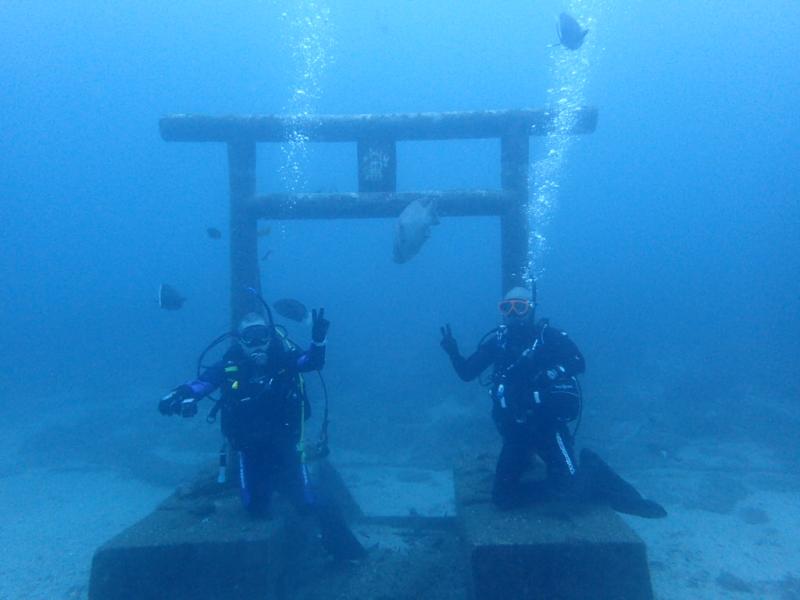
{"points": [[400, 126]]}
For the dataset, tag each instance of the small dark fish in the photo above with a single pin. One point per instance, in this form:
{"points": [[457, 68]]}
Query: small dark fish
{"points": [[412, 228], [264, 232], [570, 33], [267, 254], [214, 233], [291, 309], [169, 298]]}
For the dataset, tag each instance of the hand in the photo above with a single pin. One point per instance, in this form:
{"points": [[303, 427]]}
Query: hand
{"points": [[448, 343], [178, 402], [170, 404], [188, 407], [319, 326]]}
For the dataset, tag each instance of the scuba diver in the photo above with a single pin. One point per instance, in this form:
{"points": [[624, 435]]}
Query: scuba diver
{"points": [[263, 408], [535, 396]]}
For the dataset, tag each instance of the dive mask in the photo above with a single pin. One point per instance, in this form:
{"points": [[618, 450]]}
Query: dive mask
{"points": [[254, 336], [515, 306]]}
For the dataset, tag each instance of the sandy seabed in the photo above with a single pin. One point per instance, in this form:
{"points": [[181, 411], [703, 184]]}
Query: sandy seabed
{"points": [[733, 526], [52, 521], [732, 529]]}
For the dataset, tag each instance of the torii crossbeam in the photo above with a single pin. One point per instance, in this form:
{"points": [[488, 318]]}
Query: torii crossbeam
{"points": [[376, 137]]}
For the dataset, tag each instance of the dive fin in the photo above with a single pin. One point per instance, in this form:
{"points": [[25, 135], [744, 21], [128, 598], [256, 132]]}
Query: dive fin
{"points": [[337, 538], [602, 484]]}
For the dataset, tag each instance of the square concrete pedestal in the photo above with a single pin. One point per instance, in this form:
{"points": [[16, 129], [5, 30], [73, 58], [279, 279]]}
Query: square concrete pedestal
{"points": [[550, 549], [199, 545]]}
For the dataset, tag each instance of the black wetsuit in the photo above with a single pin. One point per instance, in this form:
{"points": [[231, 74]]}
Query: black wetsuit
{"points": [[526, 367], [262, 411]]}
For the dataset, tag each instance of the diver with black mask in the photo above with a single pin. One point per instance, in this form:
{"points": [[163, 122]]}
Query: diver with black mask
{"points": [[263, 407], [535, 396]]}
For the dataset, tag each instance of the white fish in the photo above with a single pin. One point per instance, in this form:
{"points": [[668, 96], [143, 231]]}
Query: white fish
{"points": [[413, 227]]}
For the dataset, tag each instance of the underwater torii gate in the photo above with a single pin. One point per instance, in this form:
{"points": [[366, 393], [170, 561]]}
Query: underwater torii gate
{"points": [[376, 138], [197, 544]]}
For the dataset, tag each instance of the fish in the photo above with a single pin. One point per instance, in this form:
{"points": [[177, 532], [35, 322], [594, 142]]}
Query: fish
{"points": [[169, 298], [412, 228], [570, 32], [214, 233], [266, 255], [291, 309]]}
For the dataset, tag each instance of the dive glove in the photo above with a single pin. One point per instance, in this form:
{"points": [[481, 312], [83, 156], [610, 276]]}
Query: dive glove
{"points": [[319, 326], [178, 402], [448, 343]]}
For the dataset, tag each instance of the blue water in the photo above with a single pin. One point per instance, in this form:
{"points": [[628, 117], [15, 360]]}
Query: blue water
{"points": [[672, 245]]}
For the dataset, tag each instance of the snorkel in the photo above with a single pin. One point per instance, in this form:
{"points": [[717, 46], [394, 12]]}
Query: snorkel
{"points": [[233, 334], [255, 335], [256, 293]]}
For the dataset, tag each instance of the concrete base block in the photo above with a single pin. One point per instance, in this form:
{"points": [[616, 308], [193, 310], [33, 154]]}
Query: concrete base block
{"points": [[198, 544], [550, 549]]}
